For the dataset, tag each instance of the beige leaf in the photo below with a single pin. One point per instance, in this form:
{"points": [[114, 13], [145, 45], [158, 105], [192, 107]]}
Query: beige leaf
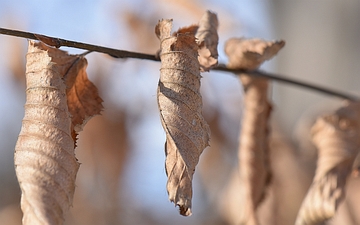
{"points": [[45, 162], [254, 162], [180, 105], [337, 137], [207, 39], [249, 54], [82, 96]]}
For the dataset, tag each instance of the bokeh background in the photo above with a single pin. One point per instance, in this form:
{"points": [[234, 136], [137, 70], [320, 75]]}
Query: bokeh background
{"points": [[122, 177]]}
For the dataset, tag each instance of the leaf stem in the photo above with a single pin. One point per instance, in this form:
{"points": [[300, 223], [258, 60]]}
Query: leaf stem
{"points": [[57, 42]]}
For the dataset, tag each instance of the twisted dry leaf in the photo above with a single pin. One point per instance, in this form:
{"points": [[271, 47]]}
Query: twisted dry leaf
{"points": [[180, 103], [249, 54], [82, 95], [207, 39], [45, 162], [337, 138], [254, 162]]}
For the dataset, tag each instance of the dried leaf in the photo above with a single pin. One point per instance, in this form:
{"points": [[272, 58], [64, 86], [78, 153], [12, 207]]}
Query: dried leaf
{"points": [[45, 162], [249, 54], [82, 96], [254, 162], [190, 30], [208, 41], [337, 138], [103, 149], [192, 8], [139, 23], [254, 147], [17, 61], [180, 105]]}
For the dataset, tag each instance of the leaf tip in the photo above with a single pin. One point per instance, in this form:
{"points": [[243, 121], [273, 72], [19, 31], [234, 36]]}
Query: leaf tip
{"points": [[163, 28], [207, 40], [184, 211], [181, 202]]}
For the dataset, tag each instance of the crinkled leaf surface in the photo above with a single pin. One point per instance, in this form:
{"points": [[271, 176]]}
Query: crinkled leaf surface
{"points": [[82, 95], [180, 106], [207, 39], [337, 138], [45, 162]]}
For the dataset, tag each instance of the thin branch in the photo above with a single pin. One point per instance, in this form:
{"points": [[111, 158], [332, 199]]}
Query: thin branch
{"points": [[276, 77], [57, 42]]}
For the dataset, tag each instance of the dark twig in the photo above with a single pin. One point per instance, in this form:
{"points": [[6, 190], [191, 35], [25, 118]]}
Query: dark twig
{"points": [[276, 77], [57, 42]]}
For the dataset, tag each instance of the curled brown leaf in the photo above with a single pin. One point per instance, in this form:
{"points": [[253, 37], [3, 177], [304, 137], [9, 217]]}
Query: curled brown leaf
{"points": [[207, 39], [254, 165], [249, 54], [82, 95], [45, 162], [337, 138], [180, 105]]}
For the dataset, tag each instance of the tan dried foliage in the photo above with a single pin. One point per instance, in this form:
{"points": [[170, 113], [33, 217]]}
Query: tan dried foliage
{"points": [[82, 96], [254, 162], [254, 147], [103, 148], [45, 162], [208, 39], [337, 138], [249, 54], [17, 61], [140, 23], [180, 105], [193, 8]]}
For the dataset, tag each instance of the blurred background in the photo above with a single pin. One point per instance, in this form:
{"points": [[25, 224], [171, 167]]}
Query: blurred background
{"points": [[122, 177]]}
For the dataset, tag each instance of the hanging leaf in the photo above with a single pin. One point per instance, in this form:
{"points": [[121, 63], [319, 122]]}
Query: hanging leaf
{"points": [[45, 162], [180, 105], [207, 39], [254, 162], [82, 96], [337, 138], [249, 54]]}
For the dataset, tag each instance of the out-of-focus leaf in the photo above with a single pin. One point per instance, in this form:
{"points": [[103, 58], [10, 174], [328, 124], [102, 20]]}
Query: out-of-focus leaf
{"points": [[140, 23], [249, 54], [180, 105], [254, 162], [337, 137], [17, 61]]}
